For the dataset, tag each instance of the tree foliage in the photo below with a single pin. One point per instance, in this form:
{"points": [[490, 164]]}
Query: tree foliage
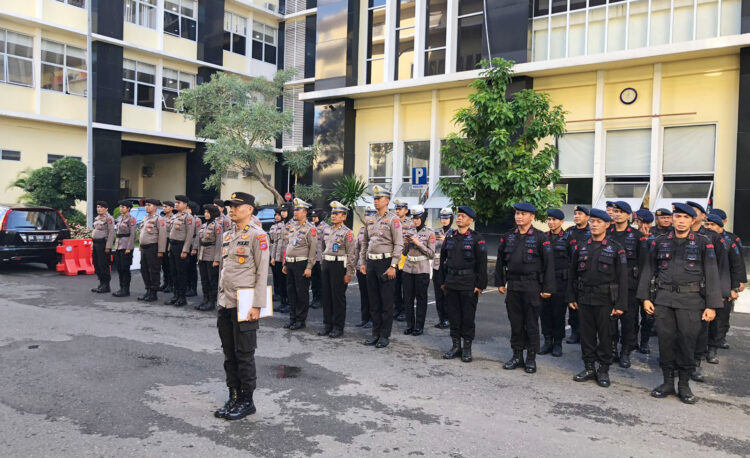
{"points": [[500, 148], [58, 186], [348, 190]]}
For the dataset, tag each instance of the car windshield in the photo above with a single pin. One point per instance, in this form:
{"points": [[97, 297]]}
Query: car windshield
{"points": [[266, 214], [41, 220]]}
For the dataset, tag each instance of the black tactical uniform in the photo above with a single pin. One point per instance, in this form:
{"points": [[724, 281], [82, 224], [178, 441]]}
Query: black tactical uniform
{"points": [[576, 234], [553, 308], [629, 239], [647, 321]]}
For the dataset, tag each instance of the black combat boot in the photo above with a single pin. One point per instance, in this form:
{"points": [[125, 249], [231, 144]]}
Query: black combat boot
{"points": [[297, 325], [643, 348], [210, 305], [711, 356], [181, 301], [697, 374], [172, 301], [666, 388], [324, 332], [191, 292], [455, 349], [96, 290], [145, 295], [602, 376], [557, 347], [466, 351], [574, 337], [152, 297], [123, 292], [516, 361], [104, 288], [588, 373], [547, 346], [243, 407], [203, 303], [530, 361], [234, 394], [683, 389], [724, 345], [625, 357], [371, 341]]}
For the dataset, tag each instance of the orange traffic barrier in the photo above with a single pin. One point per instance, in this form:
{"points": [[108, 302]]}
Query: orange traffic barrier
{"points": [[76, 257]]}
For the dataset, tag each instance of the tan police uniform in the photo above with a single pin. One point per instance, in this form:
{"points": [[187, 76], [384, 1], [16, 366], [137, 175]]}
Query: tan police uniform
{"points": [[153, 240], [125, 227], [103, 237], [180, 241], [301, 247], [416, 277], [339, 256]]}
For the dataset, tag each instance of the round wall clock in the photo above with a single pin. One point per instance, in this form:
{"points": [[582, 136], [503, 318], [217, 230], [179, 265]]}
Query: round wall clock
{"points": [[628, 96]]}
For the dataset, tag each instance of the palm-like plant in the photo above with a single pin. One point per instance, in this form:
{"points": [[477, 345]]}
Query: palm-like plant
{"points": [[348, 190]]}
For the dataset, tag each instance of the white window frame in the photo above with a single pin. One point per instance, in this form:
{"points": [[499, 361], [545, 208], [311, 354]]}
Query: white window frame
{"points": [[136, 83], [139, 6], [65, 67], [178, 91], [397, 42], [427, 33], [458, 30], [369, 60], [180, 17], [716, 148], [5, 71], [70, 2], [232, 18], [377, 179], [264, 43]]}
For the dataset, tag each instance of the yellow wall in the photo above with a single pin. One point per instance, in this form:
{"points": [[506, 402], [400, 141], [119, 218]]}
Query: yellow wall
{"points": [[65, 15], [141, 36], [135, 117], [374, 125], [64, 106], [175, 123], [180, 47], [168, 178]]}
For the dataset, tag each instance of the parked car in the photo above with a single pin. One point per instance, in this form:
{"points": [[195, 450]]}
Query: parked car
{"points": [[31, 233], [265, 214], [140, 212]]}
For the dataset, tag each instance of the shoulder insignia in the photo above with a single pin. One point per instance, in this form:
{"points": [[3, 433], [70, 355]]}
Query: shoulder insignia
{"points": [[396, 223], [545, 243], [313, 232], [246, 228], [349, 236], [432, 238], [227, 237], [218, 230], [263, 241], [245, 236]]}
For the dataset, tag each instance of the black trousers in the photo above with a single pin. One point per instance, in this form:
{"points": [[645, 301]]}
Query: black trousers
{"points": [[415, 287], [701, 343], [523, 314], [316, 282], [647, 324], [209, 279], [333, 294], [573, 320], [238, 341], [101, 260], [123, 262], [595, 328], [440, 301], [165, 268], [461, 307], [553, 317], [279, 286], [298, 290], [678, 334], [150, 266], [364, 298], [178, 267], [628, 324], [398, 294], [192, 271], [380, 289], [719, 327]]}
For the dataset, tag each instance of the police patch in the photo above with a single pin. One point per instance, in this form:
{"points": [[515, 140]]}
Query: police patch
{"points": [[396, 223], [263, 246], [349, 236], [241, 260], [313, 232], [218, 230], [226, 237]]}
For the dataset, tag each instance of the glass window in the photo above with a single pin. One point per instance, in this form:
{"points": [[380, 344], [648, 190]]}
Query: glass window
{"points": [[708, 16], [576, 155], [435, 37], [180, 18], [78, 3], [577, 34], [731, 17], [470, 7], [470, 27], [139, 83], [660, 12], [628, 152], [682, 25], [541, 7], [638, 31], [557, 37], [404, 68], [235, 33], [376, 42], [63, 68], [141, 12], [52, 158], [174, 82], [381, 163], [541, 31], [616, 27], [680, 191], [264, 42], [416, 154], [631, 192], [8, 155], [445, 170], [689, 150], [597, 19], [16, 51]]}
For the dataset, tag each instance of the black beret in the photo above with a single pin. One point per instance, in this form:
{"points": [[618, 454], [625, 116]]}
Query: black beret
{"points": [[219, 202], [581, 208], [556, 213], [168, 203], [716, 219], [696, 205], [622, 205], [181, 198], [645, 215], [679, 207], [466, 210], [601, 214], [717, 211], [152, 202], [102, 203], [525, 207], [663, 212], [126, 203]]}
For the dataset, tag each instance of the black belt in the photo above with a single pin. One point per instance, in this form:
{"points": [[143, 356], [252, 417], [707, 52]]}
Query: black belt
{"points": [[119, 236], [452, 271], [175, 241], [692, 287], [596, 289], [148, 245], [103, 240], [206, 243]]}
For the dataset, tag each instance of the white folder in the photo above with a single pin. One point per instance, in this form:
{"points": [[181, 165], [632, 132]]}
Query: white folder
{"points": [[245, 298]]}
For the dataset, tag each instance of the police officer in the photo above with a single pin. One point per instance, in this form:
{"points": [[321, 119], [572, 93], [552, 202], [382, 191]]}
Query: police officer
{"points": [[318, 219], [277, 257], [274, 232], [446, 221], [682, 265], [553, 309], [579, 231], [463, 277], [167, 214], [420, 249], [192, 269], [597, 286], [381, 250], [526, 264], [644, 219], [629, 238], [401, 209], [125, 227], [223, 219], [209, 256], [610, 208], [301, 246], [364, 298], [180, 245], [153, 243], [339, 260], [103, 236], [244, 255], [663, 222]]}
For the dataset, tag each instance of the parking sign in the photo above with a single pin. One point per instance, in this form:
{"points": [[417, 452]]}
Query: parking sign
{"points": [[419, 177]]}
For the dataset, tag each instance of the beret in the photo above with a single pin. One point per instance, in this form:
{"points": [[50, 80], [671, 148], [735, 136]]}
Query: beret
{"points": [[716, 219], [556, 213], [622, 205], [696, 205], [525, 207], [466, 210], [581, 208], [679, 207], [645, 215], [601, 214]]}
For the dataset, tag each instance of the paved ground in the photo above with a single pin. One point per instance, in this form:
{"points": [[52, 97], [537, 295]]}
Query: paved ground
{"points": [[92, 375]]}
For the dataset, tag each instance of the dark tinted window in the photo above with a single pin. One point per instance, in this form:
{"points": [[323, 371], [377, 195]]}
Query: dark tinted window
{"points": [[44, 220]]}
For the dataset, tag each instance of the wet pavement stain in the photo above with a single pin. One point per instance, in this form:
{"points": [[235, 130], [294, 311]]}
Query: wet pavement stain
{"points": [[594, 413], [724, 444], [288, 371]]}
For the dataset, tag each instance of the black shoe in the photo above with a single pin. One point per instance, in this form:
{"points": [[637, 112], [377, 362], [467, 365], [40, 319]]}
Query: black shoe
{"points": [[283, 309], [400, 317], [466, 351], [417, 332], [382, 342], [602, 376], [96, 290], [297, 325], [547, 347], [443, 325], [205, 301], [683, 389], [324, 332], [207, 307], [723, 344], [530, 362], [711, 356], [171, 301], [697, 374], [181, 302], [455, 349], [370, 341], [191, 292], [360, 324], [367, 325], [336, 333], [557, 348], [242, 408], [408, 331], [315, 304], [104, 289], [666, 388], [123, 292], [168, 289], [644, 348], [152, 297], [625, 358], [516, 361], [289, 324], [145, 296], [234, 394], [574, 338], [163, 288], [588, 373]]}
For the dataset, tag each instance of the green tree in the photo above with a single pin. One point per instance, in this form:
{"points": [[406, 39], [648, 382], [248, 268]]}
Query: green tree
{"points": [[299, 162], [500, 148], [58, 186], [348, 190], [242, 120]]}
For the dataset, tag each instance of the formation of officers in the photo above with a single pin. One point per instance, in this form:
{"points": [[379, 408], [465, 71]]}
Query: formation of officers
{"points": [[676, 272]]}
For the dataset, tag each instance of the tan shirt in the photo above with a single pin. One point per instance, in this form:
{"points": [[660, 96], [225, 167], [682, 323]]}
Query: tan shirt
{"points": [[274, 235], [414, 264], [104, 228], [340, 242], [154, 230], [321, 228], [196, 236], [383, 234], [359, 246], [182, 230], [280, 247], [439, 239], [225, 221], [209, 245], [301, 241], [244, 264], [125, 233]]}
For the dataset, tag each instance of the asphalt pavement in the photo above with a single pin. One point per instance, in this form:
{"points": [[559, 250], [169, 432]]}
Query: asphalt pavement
{"points": [[87, 374]]}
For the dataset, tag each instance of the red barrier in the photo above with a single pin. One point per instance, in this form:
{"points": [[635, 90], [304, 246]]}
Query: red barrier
{"points": [[76, 257]]}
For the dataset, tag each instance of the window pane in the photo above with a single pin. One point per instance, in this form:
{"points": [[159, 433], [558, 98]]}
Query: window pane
{"points": [[172, 6], [186, 81], [227, 42], [689, 149], [76, 58], [53, 53], [239, 25], [559, 6], [146, 73], [145, 96], [257, 50], [270, 36], [20, 71], [188, 29], [436, 22], [576, 158], [616, 28], [435, 62], [2, 67], [375, 71], [682, 29], [128, 93], [557, 38], [708, 11], [540, 38], [731, 16], [628, 152], [541, 7], [171, 23], [188, 8], [147, 16], [377, 33], [77, 82], [659, 22], [373, 3], [130, 11], [404, 56], [638, 25], [52, 78], [380, 160], [168, 98], [270, 56], [20, 45], [169, 78], [78, 3], [406, 14], [470, 6], [416, 154], [577, 34], [596, 30], [238, 44], [258, 30], [469, 43], [227, 21], [128, 69], [8, 155]]}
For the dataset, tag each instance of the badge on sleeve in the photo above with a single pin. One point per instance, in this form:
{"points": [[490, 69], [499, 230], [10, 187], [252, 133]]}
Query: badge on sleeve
{"points": [[218, 229], [396, 223], [349, 236], [313, 232], [263, 242], [482, 246]]}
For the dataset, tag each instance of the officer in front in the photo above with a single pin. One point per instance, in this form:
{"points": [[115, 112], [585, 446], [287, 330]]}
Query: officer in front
{"points": [[103, 236], [381, 250], [244, 264], [553, 309], [301, 246], [180, 245], [419, 248], [462, 277], [579, 231], [597, 287], [125, 227], [321, 227], [153, 243], [526, 265], [682, 265], [401, 209]]}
